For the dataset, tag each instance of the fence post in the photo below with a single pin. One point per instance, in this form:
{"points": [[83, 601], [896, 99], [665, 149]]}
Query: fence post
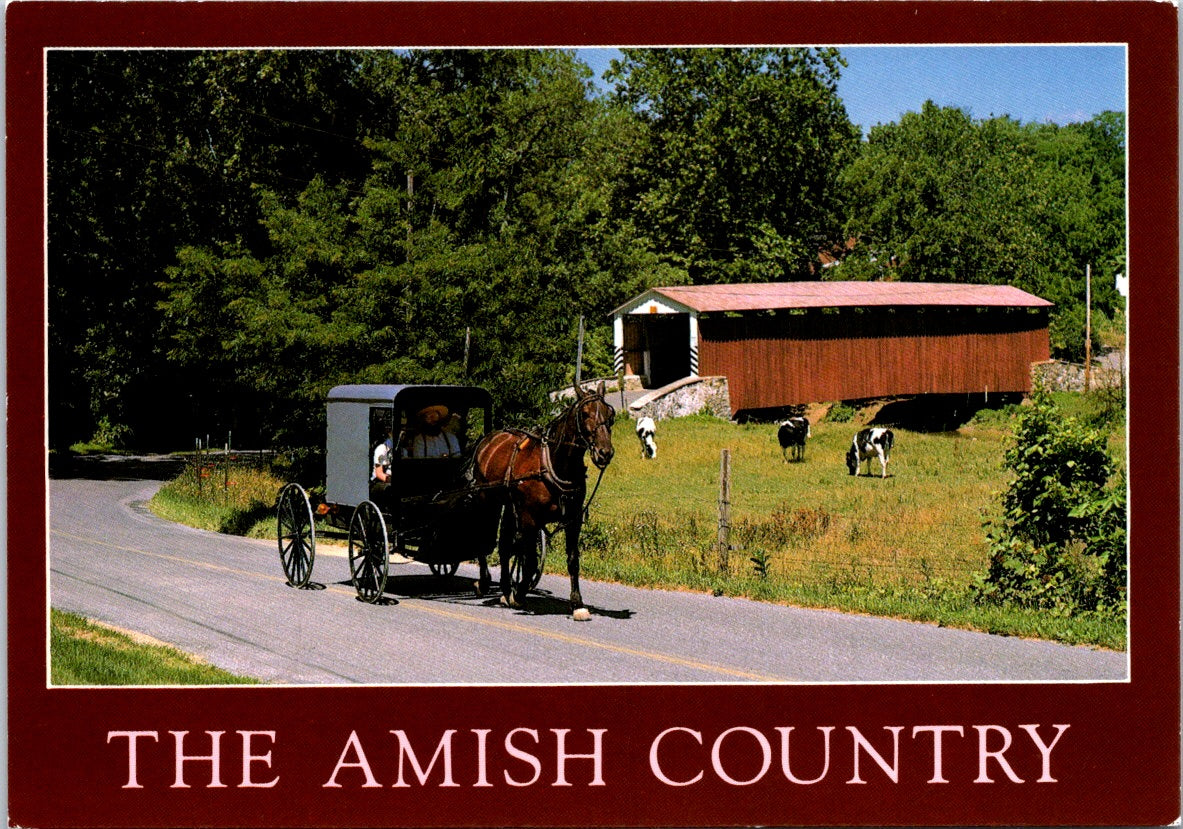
{"points": [[724, 510]]}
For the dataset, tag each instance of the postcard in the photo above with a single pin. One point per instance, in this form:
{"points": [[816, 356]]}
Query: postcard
{"points": [[592, 414]]}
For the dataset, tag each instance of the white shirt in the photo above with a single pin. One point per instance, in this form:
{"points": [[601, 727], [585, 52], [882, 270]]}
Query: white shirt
{"points": [[381, 458], [443, 445]]}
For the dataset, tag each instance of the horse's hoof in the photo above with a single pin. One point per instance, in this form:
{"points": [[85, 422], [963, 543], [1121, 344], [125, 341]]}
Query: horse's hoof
{"points": [[581, 614]]}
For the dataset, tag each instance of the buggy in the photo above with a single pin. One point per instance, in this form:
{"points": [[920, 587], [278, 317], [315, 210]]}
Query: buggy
{"points": [[429, 510]]}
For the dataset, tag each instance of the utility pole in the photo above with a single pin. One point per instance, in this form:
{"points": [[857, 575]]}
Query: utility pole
{"points": [[467, 338], [579, 354], [1088, 327]]}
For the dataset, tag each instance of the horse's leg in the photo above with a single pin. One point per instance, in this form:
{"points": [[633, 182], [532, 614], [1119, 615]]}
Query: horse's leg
{"points": [[528, 550], [572, 535], [506, 546], [484, 580], [487, 517]]}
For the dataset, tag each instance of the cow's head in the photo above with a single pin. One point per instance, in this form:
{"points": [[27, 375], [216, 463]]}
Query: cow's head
{"points": [[852, 460]]}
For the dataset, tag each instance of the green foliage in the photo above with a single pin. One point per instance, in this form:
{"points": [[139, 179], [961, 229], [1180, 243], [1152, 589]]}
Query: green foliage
{"points": [[231, 233], [841, 413], [221, 495], [950, 199], [733, 181], [1060, 543]]}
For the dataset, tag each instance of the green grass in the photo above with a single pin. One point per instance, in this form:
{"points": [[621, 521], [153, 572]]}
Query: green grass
{"points": [[241, 502], [84, 653], [809, 534]]}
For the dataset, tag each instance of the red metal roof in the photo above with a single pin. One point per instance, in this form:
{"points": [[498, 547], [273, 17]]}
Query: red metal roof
{"points": [[766, 295]]}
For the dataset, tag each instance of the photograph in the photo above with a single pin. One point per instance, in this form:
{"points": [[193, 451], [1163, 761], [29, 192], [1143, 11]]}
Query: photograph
{"points": [[415, 403]]}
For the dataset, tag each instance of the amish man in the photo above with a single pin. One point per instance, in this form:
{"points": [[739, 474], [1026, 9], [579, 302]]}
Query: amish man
{"points": [[431, 439]]}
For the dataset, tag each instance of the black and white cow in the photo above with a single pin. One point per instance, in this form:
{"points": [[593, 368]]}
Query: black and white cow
{"points": [[867, 444], [647, 433], [792, 433]]}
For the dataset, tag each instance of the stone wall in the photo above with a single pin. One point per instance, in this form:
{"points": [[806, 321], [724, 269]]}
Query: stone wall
{"points": [[688, 396], [1058, 375]]}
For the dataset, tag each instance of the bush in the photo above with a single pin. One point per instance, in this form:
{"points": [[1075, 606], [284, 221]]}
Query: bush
{"points": [[1060, 544], [841, 413]]}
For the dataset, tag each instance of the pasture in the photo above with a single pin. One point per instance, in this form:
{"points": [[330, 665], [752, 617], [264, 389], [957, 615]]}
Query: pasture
{"points": [[809, 533]]}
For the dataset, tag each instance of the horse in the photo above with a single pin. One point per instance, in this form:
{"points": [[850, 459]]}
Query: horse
{"points": [[542, 478]]}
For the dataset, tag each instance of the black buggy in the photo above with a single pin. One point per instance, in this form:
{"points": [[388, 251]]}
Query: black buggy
{"points": [[427, 511]]}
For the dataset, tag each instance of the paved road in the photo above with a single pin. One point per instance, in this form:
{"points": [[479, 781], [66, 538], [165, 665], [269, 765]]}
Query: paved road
{"points": [[224, 599]]}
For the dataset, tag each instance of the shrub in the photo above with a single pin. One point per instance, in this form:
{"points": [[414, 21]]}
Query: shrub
{"points": [[1060, 543], [840, 413]]}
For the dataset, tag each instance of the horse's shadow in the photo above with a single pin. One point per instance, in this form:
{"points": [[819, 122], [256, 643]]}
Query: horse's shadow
{"points": [[545, 603], [457, 589]]}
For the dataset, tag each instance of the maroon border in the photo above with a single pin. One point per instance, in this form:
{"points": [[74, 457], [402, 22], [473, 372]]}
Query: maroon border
{"points": [[1120, 757]]}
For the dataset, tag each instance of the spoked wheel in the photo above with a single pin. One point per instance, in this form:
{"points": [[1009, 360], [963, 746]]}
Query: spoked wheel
{"points": [[517, 567], [369, 553], [296, 534], [444, 570]]}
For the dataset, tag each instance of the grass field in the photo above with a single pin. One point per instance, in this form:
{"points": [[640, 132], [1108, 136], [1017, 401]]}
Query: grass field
{"points": [[810, 534], [804, 533], [85, 653]]}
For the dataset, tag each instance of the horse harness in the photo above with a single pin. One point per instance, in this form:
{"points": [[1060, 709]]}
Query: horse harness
{"points": [[546, 472]]}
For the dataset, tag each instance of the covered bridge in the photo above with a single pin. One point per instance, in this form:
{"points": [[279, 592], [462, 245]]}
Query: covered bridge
{"points": [[787, 343]]}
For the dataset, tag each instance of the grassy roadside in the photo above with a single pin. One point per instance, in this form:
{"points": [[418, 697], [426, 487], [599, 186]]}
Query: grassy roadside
{"points": [[240, 503], [85, 653], [807, 534]]}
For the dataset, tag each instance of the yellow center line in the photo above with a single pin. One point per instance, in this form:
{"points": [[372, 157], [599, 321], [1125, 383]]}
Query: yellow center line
{"points": [[501, 624]]}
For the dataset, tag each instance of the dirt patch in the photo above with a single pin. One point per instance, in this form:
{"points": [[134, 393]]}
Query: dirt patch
{"points": [[816, 412]]}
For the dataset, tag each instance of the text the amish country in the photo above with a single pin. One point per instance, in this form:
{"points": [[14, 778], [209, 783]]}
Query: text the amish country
{"points": [[678, 756]]}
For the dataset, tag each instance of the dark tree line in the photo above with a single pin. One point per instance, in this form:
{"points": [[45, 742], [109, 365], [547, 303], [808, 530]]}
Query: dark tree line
{"points": [[233, 233]]}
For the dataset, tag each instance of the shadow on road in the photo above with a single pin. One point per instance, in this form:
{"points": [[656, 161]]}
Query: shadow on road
{"points": [[457, 589], [115, 467]]}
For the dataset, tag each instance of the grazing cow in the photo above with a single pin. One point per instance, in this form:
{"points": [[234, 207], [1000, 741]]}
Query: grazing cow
{"points": [[646, 432], [793, 432], [867, 444]]}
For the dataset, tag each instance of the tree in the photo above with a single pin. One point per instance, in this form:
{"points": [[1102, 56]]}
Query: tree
{"points": [[472, 216], [155, 151], [945, 198], [735, 179]]}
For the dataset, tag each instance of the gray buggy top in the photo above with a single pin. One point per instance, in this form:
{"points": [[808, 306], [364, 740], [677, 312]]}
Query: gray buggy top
{"points": [[358, 416]]}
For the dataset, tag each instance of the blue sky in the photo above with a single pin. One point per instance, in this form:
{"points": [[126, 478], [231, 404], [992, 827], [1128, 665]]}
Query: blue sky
{"points": [[1060, 84]]}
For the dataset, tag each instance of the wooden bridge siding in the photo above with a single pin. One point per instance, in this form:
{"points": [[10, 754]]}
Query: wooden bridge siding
{"points": [[774, 360]]}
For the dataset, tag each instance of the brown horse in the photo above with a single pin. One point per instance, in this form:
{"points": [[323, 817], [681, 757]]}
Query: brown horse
{"points": [[543, 479]]}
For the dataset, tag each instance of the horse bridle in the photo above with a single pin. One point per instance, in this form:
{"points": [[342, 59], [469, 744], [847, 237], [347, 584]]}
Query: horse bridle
{"points": [[585, 437]]}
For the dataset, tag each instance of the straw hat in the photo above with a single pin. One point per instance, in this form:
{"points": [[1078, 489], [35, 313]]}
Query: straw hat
{"points": [[439, 410]]}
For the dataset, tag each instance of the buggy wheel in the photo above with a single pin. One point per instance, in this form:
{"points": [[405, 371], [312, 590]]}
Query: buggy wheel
{"points": [[444, 570], [369, 552], [296, 534], [517, 565]]}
